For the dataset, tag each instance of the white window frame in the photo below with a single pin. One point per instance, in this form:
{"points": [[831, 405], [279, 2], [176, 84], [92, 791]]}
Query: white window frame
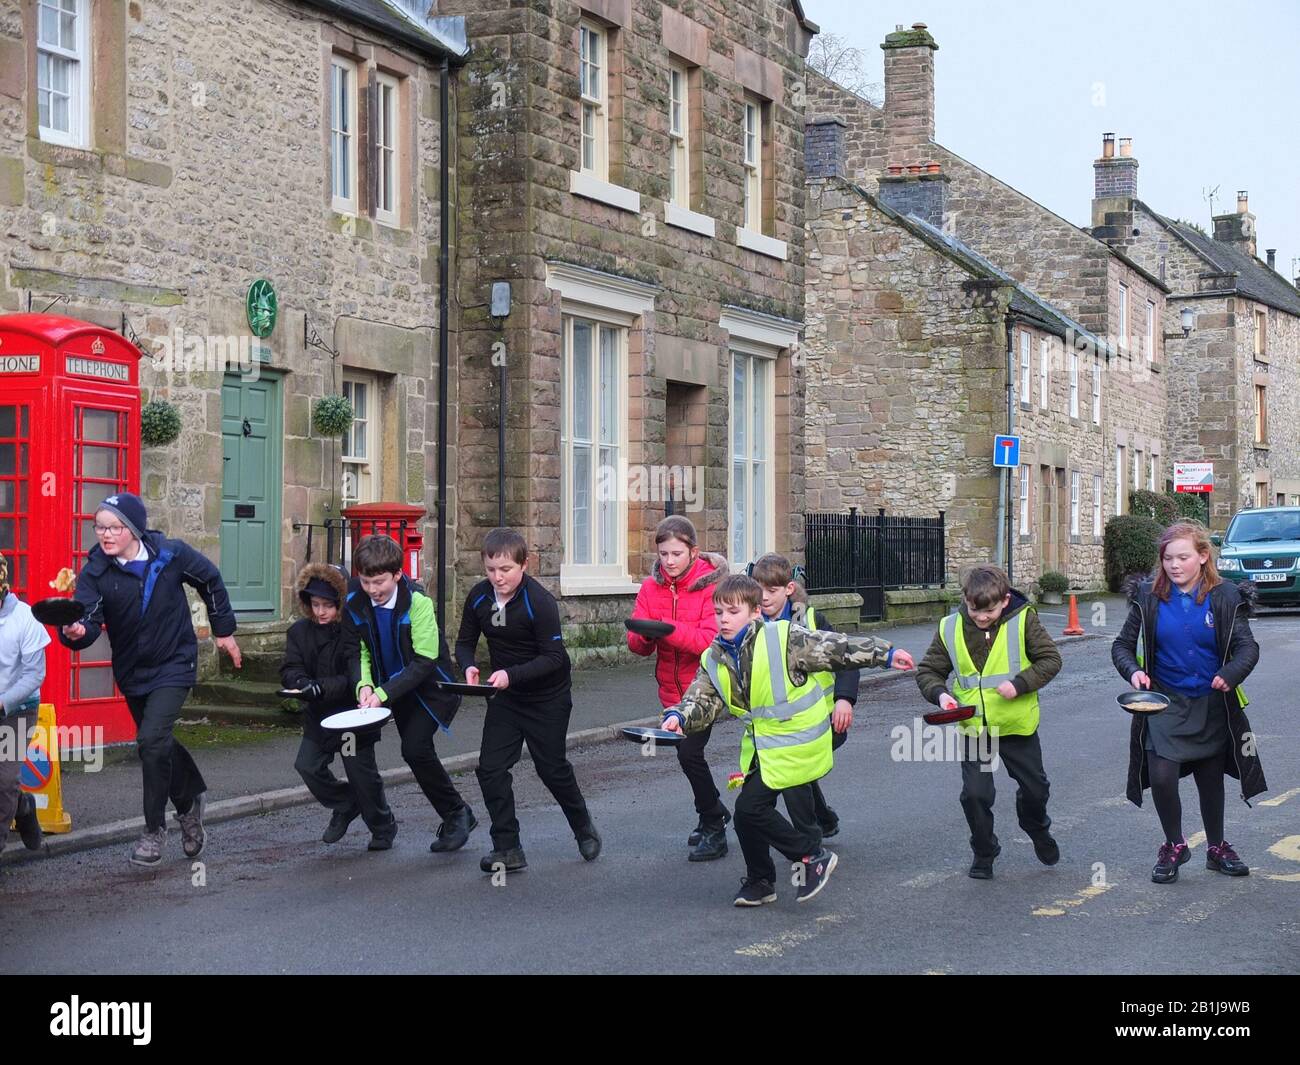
{"points": [[1097, 492], [1096, 390], [1025, 511], [1151, 479], [679, 135], [1075, 486], [343, 133], [369, 474], [755, 358], [1261, 414], [1136, 481], [77, 135], [1123, 317], [388, 151], [1119, 478], [752, 156], [1026, 368], [1044, 394], [593, 89], [1151, 331], [1074, 384]]}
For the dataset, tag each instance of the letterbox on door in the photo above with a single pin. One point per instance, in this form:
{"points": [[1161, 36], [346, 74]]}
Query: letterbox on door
{"points": [[69, 437]]}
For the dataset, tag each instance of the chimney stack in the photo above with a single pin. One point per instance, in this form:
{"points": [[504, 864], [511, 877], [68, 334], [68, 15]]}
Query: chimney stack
{"points": [[909, 95], [1237, 228], [1272, 258], [823, 148], [1114, 190]]}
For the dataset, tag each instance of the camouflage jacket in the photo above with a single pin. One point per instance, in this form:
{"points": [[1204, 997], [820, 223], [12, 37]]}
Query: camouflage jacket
{"points": [[806, 652]]}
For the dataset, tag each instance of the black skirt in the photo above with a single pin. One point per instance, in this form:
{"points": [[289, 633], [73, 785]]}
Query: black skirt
{"points": [[1193, 728]]}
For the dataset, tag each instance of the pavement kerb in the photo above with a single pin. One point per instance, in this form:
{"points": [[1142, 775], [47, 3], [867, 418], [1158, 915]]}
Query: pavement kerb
{"points": [[283, 798]]}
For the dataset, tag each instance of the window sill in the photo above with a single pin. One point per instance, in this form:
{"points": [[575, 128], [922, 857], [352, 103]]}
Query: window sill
{"points": [[592, 188], [1261, 446], [759, 242], [578, 581], [685, 219]]}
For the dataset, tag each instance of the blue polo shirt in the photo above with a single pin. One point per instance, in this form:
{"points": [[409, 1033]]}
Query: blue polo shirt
{"points": [[1187, 654]]}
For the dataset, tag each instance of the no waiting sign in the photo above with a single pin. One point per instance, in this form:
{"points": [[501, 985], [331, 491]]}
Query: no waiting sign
{"points": [[1193, 476]]}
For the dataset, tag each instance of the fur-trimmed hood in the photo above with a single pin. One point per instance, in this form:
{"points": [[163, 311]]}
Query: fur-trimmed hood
{"points": [[1137, 585], [698, 577], [319, 571]]}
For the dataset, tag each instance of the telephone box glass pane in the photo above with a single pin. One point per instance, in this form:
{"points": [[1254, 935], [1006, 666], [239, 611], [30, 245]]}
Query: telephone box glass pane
{"points": [[99, 651], [92, 495], [8, 421], [100, 425], [99, 462], [7, 496], [7, 528], [87, 537], [8, 459], [96, 683]]}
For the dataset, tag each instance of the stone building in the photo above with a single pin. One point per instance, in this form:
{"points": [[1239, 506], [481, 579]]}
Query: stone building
{"points": [[148, 182], [1234, 378], [633, 172], [1081, 456]]}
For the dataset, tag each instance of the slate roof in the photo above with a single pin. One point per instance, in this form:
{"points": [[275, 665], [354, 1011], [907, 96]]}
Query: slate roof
{"points": [[432, 36]]}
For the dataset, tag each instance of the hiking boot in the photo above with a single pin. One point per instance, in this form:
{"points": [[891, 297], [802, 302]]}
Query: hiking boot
{"points": [[697, 834], [1046, 849], [29, 825], [982, 867], [148, 848], [512, 861], [1168, 859], [817, 869], [754, 893], [1223, 859], [713, 839], [192, 835], [589, 843], [454, 832], [338, 826]]}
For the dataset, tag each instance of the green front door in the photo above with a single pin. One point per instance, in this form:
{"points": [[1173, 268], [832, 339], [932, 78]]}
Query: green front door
{"points": [[251, 440]]}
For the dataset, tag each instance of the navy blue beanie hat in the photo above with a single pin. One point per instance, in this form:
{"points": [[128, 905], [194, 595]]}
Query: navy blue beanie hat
{"points": [[128, 507]]}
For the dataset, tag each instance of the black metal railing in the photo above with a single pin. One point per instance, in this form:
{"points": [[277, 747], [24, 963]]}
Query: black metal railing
{"points": [[872, 553], [339, 534]]}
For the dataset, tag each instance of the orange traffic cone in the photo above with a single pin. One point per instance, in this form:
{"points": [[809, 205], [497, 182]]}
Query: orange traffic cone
{"points": [[1072, 626]]}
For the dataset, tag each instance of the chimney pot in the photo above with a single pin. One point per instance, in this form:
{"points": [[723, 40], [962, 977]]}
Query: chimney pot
{"points": [[919, 26], [1272, 258], [1108, 146], [1126, 147], [1242, 201]]}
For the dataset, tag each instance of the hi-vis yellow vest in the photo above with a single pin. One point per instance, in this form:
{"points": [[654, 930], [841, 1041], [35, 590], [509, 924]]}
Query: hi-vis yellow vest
{"points": [[787, 725], [1007, 658]]}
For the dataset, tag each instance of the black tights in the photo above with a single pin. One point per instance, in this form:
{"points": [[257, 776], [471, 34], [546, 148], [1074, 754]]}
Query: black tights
{"points": [[1208, 773]]}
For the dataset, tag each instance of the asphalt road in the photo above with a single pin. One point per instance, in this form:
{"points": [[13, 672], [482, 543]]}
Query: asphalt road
{"points": [[270, 898]]}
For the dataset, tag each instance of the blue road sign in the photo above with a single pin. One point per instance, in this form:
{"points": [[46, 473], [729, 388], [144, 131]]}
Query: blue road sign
{"points": [[1006, 451]]}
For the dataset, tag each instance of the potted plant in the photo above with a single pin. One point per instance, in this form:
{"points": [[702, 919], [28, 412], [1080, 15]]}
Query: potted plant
{"points": [[1051, 586], [332, 415], [160, 423]]}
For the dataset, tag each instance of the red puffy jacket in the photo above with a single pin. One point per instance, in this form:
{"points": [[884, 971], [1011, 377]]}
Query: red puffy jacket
{"points": [[688, 603]]}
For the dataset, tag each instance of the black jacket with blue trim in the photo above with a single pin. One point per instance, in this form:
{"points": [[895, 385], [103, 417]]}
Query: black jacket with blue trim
{"points": [[525, 639], [148, 621], [420, 645]]}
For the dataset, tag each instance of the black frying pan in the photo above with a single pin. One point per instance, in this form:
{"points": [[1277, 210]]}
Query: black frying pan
{"points": [[58, 611], [652, 630]]}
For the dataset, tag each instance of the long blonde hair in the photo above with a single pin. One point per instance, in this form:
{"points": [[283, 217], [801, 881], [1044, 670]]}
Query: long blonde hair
{"points": [[1200, 537]]}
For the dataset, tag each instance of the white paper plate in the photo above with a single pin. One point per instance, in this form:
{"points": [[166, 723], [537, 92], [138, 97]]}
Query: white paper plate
{"points": [[358, 718]]}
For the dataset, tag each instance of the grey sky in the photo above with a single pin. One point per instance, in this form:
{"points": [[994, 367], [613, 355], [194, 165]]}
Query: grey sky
{"points": [[1206, 91]]}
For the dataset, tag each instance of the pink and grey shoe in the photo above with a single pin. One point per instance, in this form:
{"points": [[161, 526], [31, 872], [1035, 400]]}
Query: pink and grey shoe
{"points": [[1169, 858], [1223, 859]]}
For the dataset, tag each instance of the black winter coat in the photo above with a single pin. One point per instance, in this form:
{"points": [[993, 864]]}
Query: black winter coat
{"points": [[1238, 654], [148, 622]]}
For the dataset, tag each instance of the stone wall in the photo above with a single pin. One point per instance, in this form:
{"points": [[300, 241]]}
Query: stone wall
{"points": [[208, 170], [519, 138]]}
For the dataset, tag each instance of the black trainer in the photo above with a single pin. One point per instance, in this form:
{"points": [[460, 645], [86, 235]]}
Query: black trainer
{"points": [[982, 867], [1168, 859], [338, 826], [817, 869], [697, 834], [454, 832], [754, 893], [1046, 849], [1223, 859], [382, 838], [512, 861], [713, 841], [27, 822]]}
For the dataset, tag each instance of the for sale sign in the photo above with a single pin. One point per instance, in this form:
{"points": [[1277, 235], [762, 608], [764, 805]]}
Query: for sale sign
{"points": [[1193, 476]]}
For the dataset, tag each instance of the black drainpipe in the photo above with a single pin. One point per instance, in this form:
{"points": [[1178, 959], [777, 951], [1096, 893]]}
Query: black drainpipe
{"points": [[444, 386]]}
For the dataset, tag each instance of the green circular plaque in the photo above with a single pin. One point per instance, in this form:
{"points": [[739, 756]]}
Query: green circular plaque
{"points": [[262, 307]]}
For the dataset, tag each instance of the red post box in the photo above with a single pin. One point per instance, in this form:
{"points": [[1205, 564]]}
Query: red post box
{"points": [[401, 521], [69, 437]]}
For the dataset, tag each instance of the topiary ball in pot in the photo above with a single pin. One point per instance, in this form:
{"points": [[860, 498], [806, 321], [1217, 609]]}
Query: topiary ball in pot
{"points": [[160, 423], [332, 416], [1052, 585]]}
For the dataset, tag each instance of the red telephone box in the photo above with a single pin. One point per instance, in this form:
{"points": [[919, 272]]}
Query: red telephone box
{"points": [[69, 437]]}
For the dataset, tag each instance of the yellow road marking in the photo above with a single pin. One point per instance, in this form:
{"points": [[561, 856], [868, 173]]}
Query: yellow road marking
{"points": [[1059, 906], [1196, 840], [776, 948], [1288, 848], [1281, 798]]}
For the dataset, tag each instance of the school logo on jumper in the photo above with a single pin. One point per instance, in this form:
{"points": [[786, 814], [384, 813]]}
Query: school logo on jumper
{"points": [[1209, 619], [77, 1018]]}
